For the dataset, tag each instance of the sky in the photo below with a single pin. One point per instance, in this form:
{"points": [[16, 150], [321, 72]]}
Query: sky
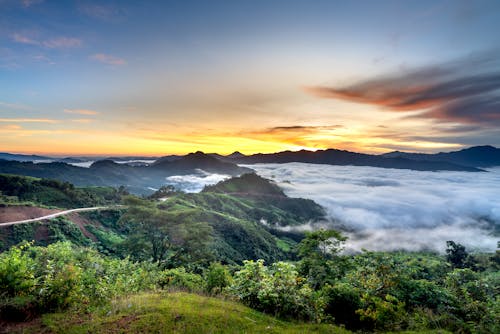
{"points": [[172, 77]]}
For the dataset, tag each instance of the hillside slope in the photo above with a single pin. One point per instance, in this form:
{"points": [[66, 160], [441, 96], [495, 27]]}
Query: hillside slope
{"points": [[169, 313], [137, 179]]}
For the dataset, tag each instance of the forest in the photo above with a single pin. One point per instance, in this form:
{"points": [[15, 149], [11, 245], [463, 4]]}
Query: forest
{"points": [[177, 260]]}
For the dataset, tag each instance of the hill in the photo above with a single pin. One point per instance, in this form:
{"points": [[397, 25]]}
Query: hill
{"points": [[23, 157], [198, 160], [250, 184], [170, 313], [137, 179], [477, 156], [343, 158], [15, 190], [245, 225]]}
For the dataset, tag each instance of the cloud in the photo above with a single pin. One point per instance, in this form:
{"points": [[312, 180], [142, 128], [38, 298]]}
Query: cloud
{"points": [[14, 106], [299, 128], [23, 39], [14, 130], [108, 59], [465, 91], [53, 43], [305, 136], [195, 182], [82, 120], [387, 209], [102, 12], [29, 3], [81, 111], [62, 43], [28, 120]]}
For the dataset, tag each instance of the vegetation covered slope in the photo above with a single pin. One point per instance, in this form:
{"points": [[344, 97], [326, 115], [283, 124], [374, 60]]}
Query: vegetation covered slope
{"points": [[238, 226], [172, 313], [136, 179], [16, 189]]}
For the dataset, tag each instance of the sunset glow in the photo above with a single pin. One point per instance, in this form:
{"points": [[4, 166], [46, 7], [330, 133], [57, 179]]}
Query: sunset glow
{"points": [[115, 78]]}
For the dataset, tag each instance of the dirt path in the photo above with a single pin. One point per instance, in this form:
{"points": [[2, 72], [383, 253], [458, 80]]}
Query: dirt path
{"points": [[54, 214], [21, 212]]}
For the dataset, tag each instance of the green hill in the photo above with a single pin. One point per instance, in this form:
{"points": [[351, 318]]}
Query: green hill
{"points": [[247, 184], [170, 313], [16, 189], [245, 224]]}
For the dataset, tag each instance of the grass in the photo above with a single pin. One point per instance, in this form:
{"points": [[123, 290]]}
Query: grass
{"points": [[175, 312]]}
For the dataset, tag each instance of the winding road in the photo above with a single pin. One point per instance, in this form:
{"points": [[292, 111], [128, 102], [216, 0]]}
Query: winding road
{"points": [[57, 214]]}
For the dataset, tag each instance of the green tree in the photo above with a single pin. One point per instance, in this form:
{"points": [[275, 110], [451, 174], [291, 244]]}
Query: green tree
{"points": [[457, 255], [155, 235], [320, 262]]}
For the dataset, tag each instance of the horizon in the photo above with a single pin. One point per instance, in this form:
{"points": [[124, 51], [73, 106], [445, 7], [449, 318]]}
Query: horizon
{"points": [[110, 78], [237, 151]]}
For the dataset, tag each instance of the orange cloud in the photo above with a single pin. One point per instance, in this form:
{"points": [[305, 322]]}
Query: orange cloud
{"points": [[81, 111], [28, 120]]}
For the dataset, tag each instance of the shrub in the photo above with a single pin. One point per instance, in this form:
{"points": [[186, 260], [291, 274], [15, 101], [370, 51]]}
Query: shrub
{"points": [[217, 278], [341, 302], [277, 290], [179, 278]]}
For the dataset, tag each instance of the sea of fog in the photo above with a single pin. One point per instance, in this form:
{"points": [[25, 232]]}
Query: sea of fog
{"points": [[391, 209]]}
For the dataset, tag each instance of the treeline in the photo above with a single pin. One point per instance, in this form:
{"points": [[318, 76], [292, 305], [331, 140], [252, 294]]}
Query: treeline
{"points": [[368, 292], [16, 189]]}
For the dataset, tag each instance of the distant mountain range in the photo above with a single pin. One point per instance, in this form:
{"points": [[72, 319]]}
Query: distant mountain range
{"points": [[137, 179], [69, 160], [477, 156], [140, 177], [470, 160]]}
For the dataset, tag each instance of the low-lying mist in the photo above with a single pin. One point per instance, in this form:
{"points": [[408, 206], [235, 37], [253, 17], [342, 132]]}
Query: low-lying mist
{"points": [[194, 183], [391, 209]]}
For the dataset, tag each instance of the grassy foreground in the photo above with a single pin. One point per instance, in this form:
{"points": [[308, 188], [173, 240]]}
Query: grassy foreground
{"points": [[176, 312]]}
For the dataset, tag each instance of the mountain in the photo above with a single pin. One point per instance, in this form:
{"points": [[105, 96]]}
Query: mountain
{"points": [[270, 204], [477, 156], [137, 179], [346, 158], [235, 155], [247, 184], [199, 160], [22, 157]]}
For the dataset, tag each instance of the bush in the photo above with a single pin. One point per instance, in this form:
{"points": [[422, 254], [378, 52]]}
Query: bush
{"points": [[179, 278], [41, 279], [341, 302], [217, 278], [276, 290]]}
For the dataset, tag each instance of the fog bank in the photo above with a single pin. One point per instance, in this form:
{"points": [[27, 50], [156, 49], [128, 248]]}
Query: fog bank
{"points": [[391, 209]]}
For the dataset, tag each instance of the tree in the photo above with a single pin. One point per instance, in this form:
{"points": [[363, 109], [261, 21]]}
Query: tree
{"points": [[155, 235], [319, 261], [457, 255]]}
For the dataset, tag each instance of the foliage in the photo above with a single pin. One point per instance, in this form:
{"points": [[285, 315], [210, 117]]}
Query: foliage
{"points": [[276, 290], [179, 279], [217, 278], [35, 279], [54, 193], [177, 312], [458, 256], [319, 261], [158, 236]]}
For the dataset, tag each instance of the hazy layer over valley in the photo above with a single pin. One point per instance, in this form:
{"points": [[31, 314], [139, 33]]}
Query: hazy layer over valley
{"points": [[390, 209]]}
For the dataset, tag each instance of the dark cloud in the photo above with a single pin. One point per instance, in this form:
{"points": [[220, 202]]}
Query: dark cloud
{"points": [[299, 128], [465, 91]]}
